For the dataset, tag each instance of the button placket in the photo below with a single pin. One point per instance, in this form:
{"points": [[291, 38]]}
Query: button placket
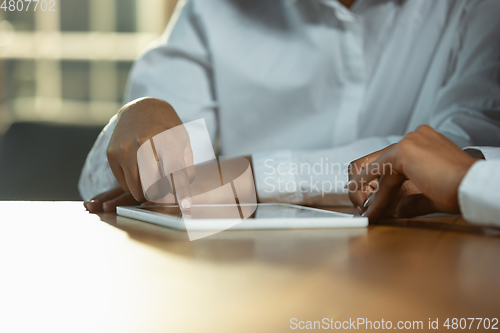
{"points": [[347, 123]]}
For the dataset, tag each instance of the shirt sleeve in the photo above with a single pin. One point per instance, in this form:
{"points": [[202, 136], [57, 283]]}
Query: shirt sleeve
{"points": [[467, 102], [310, 177], [461, 100], [176, 68], [478, 194], [96, 176]]}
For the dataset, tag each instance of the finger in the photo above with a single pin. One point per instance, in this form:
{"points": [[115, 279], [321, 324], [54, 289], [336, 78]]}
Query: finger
{"points": [[381, 166], [170, 151], [188, 160], [182, 190], [132, 178], [159, 190], [367, 175], [360, 197], [155, 179], [155, 184], [118, 173], [388, 188], [356, 166], [126, 199], [415, 205], [95, 205]]}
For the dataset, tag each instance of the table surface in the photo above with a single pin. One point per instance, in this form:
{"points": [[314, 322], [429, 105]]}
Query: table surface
{"points": [[65, 270]]}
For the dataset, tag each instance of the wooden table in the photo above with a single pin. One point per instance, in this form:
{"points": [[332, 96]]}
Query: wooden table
{"points": [[65, 270]]}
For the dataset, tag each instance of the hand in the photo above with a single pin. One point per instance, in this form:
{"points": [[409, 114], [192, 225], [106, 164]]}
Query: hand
{"points": [[432, 162], [143, 124], [209, 176], [108, 201], [362, 196]]}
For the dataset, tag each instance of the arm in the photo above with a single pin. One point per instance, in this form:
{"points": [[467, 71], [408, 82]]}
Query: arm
{"points": [[451, 180], [466, 104], [478, 193], [425, 157], [176, 69]]}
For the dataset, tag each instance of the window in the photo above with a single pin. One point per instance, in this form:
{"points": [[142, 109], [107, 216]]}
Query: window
{"points": [[72, 64]]}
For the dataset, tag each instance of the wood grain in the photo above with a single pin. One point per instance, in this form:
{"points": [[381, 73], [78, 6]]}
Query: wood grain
{"points": [[65, 270]]}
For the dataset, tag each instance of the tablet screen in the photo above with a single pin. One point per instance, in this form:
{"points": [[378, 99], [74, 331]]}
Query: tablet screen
{"points": [[232, 211]]}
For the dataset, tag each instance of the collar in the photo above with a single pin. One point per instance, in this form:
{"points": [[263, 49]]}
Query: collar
{"points": [[342, 13]]}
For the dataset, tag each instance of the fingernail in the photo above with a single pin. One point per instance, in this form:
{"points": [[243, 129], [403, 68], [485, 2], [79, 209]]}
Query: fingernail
{"points": [[360, 210], [91, 206], [186, 204]]}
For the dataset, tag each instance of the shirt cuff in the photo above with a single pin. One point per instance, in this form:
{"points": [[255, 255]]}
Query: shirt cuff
{"points": [[96, 176], [478, 196], [489, 153], [275, 180]]}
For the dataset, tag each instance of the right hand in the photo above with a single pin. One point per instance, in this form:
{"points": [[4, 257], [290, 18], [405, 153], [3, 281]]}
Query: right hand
{"points": [[361, 197], [205, 183], [136, 124], [434, 164]]}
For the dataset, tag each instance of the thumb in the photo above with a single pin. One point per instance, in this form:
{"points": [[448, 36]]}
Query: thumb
{"points": [[415, 205]]}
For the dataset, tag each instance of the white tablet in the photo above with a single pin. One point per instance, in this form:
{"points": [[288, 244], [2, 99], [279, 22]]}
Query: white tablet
{"points": [[266, 216]]}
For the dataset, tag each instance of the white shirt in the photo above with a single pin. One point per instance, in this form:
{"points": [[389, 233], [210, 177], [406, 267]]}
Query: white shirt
{"points": [[299, 83], [478, 194]]}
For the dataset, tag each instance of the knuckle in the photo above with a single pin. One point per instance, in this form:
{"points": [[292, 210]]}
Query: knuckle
{"points": [[408, 142], [111, 152], [351, 168], [355, 162], [125, 147], [139, 140], [403, 144], [355, 167], [424, 129], [411, 136]]}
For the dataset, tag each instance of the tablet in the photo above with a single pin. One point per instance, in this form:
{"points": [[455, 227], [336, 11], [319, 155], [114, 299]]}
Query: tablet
{"points": [[266, 216]]}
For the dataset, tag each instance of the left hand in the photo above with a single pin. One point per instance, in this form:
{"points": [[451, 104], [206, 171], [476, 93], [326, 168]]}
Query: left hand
{"points": [[109, 200], [361, 198], [434, 164]]}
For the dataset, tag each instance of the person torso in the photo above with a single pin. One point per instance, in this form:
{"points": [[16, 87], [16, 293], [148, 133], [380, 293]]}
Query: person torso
{"points": [[312, 74]]}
